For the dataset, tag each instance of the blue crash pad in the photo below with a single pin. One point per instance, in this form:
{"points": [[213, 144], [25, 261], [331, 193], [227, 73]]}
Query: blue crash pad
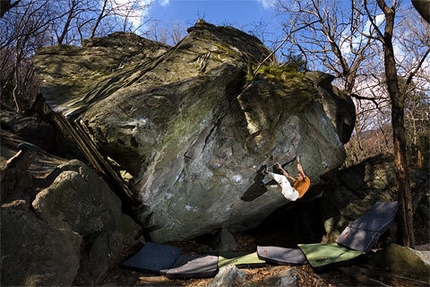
{"points": [[363, 233], [153, 257]]}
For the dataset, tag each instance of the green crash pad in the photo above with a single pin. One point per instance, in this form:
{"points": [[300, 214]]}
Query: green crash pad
{"points": [[324, 255], [240, 259]]}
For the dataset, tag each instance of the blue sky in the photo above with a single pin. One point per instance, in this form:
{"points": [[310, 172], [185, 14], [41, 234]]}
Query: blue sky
{"points": [[214, 11], [242, 14]]}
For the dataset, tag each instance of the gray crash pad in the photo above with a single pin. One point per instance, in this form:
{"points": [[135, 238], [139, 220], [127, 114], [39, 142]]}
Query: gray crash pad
{"points": [[153, 257], [193, 266], [281, 255], [363, 233]]}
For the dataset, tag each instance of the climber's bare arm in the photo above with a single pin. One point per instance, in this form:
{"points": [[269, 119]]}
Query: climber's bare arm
{"points": [[284, 172], [299, 167]]}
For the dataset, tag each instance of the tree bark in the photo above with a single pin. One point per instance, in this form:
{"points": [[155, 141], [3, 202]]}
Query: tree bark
{"points": [[405, 211]]}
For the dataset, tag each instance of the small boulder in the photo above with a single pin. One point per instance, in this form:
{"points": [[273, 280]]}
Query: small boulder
{"points": [[35, 253], [404, 261], [222, 240], [228, 275], [79, 200], [99, 254]]}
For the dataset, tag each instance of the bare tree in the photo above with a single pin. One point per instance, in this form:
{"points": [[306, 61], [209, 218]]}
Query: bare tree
{"points": [[177, 32], [105, 10], [350, 41], [32, 24], [417, 122], [157, 33], [332, 35], [6, 5], [397, 95], [25, 34], [170, 33]]}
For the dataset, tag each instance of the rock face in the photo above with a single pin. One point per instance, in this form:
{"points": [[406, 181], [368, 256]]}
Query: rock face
{"points": [[357, 188], [187, 130], [423, 7], [404, 261], [35, 253], [64, 224], [68, 203]]}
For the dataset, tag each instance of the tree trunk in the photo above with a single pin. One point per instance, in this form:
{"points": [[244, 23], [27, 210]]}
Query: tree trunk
{"points": [[70, 15], [405, 212], [99, 19]]}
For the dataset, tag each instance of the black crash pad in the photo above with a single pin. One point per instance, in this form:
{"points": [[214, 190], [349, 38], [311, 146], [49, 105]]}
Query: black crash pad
{"points": [[281, 255], [153, 257], [364, 232], [194, 266]]}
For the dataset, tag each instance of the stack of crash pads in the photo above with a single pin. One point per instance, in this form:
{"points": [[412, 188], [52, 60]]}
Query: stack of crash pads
{"points": [[169, 261], [356, 240]]}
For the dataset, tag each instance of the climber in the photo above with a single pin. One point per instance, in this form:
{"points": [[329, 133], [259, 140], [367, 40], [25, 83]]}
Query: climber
{"points": [[300, 184]]}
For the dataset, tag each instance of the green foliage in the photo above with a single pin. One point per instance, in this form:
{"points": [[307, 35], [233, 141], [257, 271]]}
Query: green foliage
{"points": [[275, 72], [286, 84]]}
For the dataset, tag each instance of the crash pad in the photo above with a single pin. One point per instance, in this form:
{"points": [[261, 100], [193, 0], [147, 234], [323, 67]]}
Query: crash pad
{"points": [[281, 255], [193, 266], [240, 259], [363, 233], [153, 257], [321, 255]]}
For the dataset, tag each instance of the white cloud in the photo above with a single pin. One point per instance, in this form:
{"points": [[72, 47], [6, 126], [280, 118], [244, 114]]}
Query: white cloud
{"points": [[135, 9], [164, 2], [267, 4]]}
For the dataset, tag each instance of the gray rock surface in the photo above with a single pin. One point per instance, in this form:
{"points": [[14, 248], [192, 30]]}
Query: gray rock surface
{"points": [[354, 191], [75, 229], [35, 253], [423, 7], [79, 200], [228, 276], [187, 129], [404, 261]]}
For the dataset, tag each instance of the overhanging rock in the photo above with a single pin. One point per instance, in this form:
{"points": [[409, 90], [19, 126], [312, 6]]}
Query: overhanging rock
{"points": [[184, 134]]}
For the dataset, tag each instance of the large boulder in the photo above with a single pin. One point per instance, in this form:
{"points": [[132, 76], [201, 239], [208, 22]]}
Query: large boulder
{"points": [[190, 129]]}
